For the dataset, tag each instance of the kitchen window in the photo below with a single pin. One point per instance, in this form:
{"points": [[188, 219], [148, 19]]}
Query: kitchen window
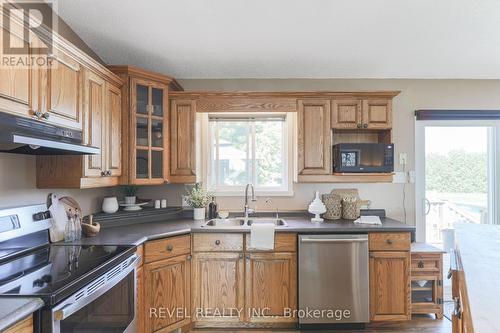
{"points": [[242, 149]]}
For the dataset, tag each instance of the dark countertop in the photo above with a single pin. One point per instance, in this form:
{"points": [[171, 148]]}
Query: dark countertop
{"points": [[13, 310], [479, 247], [138, 233]]}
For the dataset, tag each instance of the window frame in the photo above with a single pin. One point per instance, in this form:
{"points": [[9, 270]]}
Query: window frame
{"points": [[205, 154]]}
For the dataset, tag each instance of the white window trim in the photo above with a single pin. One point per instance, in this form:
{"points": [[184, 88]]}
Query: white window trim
{"points": [[493, 173], [203, 158]]}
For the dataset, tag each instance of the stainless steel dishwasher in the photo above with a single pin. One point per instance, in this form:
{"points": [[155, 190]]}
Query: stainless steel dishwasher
{"points": [[333, 280]]}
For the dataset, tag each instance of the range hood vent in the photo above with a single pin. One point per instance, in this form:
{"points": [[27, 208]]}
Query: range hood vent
{"points": [[26, 136]]}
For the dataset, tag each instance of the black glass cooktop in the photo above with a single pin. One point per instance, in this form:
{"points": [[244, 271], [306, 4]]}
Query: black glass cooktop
{"points": [[56, 271]]}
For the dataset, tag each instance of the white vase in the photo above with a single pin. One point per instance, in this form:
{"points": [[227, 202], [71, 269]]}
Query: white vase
{"points": [[199, 213], [130, 200], [317, 207], [110, 205]]}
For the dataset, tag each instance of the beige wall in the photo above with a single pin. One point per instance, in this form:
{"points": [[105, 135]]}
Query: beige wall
{"points": [[18, 186], [17, 173]]}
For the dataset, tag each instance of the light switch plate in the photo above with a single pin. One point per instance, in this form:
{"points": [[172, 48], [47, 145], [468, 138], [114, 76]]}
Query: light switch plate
{"points": [[403, 158]]}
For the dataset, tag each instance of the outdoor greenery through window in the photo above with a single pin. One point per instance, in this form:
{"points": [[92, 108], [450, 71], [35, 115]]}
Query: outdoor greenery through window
{"points": [[248, 150]]}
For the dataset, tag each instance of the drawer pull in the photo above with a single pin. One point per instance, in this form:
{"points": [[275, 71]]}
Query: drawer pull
{"points": [[420, 264], [170, 248], [217, 242], [389, 241]]}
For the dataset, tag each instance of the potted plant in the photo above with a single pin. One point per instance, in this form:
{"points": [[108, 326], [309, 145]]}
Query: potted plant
{"points": [[130, 193], [197, 198]]}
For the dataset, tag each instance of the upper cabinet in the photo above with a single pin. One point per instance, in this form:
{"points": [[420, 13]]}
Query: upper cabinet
{"points": [[145, 121], [182, 141], [314, 137], [362, 113], [101, 113]]}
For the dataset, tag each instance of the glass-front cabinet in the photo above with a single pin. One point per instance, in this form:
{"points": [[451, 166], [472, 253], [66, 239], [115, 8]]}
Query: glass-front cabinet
{"points": [[148, 112]]}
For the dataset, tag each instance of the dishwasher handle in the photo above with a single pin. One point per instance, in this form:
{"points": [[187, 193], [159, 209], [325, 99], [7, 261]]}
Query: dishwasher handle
{"points": [[332, 240]]}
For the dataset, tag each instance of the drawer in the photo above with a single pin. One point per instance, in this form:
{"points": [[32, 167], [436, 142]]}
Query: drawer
{"points": [[395, 241], [426, 262], [217, 242], [282, 243], [167, 248]]}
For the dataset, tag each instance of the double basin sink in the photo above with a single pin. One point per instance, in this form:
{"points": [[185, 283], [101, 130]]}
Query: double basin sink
{"points": [[241, 222]]}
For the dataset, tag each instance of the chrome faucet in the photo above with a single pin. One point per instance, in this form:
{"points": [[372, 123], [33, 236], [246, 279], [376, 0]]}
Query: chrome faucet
{"points": [[249, 210]]}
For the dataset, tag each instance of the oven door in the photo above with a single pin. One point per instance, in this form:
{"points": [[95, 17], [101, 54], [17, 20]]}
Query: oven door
{"points": [[108, 304]]}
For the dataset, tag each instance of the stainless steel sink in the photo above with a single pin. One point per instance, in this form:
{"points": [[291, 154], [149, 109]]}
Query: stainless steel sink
{"points": [[240, 222], [276, 222], [236, 222]]}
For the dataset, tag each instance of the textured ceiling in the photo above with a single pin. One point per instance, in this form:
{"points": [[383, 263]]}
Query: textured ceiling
{"points": [[294, 39]]}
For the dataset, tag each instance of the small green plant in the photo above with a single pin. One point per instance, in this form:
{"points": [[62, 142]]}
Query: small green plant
{"points": [[197, 197], [130, 190]]}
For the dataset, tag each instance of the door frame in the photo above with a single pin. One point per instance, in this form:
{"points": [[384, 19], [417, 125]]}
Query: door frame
{"points": [[493, 168]]}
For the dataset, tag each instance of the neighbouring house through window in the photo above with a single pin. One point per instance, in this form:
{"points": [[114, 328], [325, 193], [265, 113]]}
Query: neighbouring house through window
{"points": [[246, 149]]}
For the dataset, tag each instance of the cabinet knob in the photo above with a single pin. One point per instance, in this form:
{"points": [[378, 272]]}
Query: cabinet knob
{"points": [[420, 264], [170, 248], [248, 256], [189, 257], [365, 125], [359, 125], [241, 256], [217, 242], [46, 115], [389, 241], [108, 173], [103, 173]]}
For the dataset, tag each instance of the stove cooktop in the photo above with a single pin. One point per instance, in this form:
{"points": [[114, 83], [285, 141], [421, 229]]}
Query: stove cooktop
{"points": [[54, 272]]}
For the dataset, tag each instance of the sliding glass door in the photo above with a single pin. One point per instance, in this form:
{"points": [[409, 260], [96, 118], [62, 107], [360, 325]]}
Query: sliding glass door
{"points": [[456, 176]]}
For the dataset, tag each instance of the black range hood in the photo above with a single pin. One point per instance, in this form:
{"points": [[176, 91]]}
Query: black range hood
{"points": [[28, 136]]}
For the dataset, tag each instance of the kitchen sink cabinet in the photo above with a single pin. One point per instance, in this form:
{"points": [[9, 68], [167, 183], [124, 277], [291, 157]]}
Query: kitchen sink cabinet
{"points": [[270, 286], [102, 114], [390, 293], [229, 276]]}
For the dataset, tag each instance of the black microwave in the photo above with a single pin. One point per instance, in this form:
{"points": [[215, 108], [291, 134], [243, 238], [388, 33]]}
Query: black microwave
{"points": [[363, 157]]}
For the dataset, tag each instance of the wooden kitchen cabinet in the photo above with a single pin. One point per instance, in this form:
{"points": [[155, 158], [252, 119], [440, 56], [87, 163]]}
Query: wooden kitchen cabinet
{"points": [[314, 137], [102, 114], [346, 113], [145, 126], [168, 293], [218, 288], [182, 142], [270, 286], [377, 114], [390, 298]]}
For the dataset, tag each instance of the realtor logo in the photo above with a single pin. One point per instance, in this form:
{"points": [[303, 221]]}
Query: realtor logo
{"points": [[27, 27]]}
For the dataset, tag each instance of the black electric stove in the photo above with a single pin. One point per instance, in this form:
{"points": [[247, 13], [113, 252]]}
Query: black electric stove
{"points": [[85, 288], [54, 272]]}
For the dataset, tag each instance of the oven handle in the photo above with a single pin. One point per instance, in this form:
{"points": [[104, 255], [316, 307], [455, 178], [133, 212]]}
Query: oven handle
{"points": [[68, 309]]}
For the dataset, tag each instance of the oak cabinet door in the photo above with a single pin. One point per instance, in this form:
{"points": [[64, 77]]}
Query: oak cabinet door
{"points": [[390, 286], [182, 142], [314, 137], [167, 295], [271, 287], [18, 84], [218, 288], [94, 134], [113, 133], [377, 113], [62, 81], [346, 113]]}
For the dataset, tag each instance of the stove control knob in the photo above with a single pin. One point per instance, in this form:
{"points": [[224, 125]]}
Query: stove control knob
{"points": [[47, 278], [38, 283]]}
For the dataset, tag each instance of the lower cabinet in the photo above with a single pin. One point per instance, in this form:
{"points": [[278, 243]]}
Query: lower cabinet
{"points": [[234, 286], [390, 280], [270, 286], [164, 286], [218, 288]]}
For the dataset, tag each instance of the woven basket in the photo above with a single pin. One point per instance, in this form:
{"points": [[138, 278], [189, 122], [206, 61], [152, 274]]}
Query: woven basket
{"points": [[333, 203], [350, 208]]}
